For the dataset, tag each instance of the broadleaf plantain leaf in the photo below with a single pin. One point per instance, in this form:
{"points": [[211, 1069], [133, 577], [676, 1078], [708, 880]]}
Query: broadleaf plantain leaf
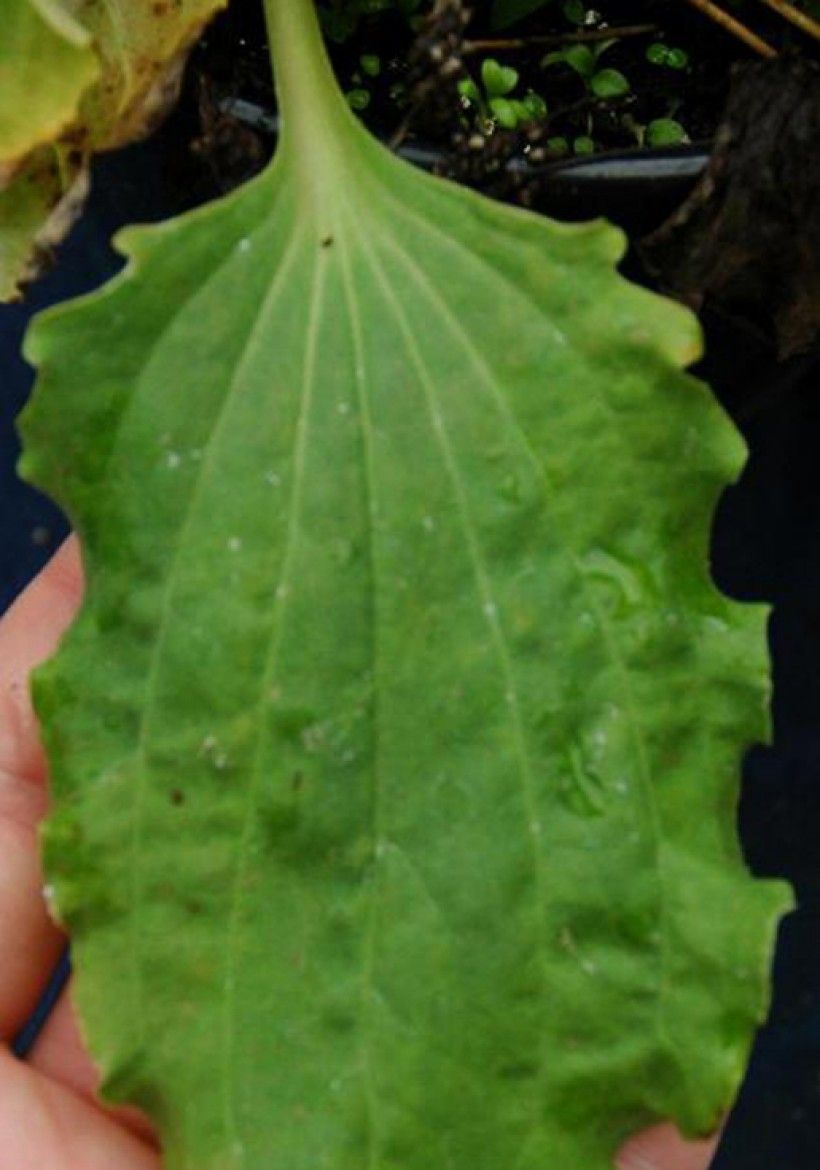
{"points": [[76, 77], [394, 753]]}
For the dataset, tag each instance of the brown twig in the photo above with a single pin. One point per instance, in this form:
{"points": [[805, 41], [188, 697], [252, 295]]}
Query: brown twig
{"points": [[570, 38], [800, 19], [734, 27]]}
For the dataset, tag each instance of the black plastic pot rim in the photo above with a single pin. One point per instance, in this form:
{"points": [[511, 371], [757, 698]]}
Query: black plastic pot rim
{"points": [[638, 167]]}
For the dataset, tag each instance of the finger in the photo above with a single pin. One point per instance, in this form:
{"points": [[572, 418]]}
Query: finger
{"points": [[663, 1148], [29, 633], [44, 1125], [61, 1055], [29, 941]]}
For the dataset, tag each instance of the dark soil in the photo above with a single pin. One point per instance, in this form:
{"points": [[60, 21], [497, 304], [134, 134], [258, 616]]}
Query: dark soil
{"points": [[227, 117]]}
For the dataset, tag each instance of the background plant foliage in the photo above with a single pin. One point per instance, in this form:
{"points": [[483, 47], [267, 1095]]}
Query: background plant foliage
{"points": [[77, 77], [394, 753]]}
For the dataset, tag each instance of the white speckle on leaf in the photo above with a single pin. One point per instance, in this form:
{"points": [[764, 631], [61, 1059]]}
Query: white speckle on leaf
{"points": [[313, 738], [234, 544], [272, 478], [211, 749], [244, 245], [428, 524], [173, 460], [567, 940], [490, 609], [281, 591], [343, 408]]}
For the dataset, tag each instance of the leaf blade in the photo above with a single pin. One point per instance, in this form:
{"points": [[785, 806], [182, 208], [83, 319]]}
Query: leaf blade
{"points": [[429, 732]]}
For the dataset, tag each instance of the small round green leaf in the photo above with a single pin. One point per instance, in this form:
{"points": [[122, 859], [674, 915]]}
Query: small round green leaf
{"points": [[535, 107], [499, 80], [506, 113], [575, 11], [609, 83], [371, 64], [665, 132], [657, 53], [581, 59], [468, 90], [358, 99]]}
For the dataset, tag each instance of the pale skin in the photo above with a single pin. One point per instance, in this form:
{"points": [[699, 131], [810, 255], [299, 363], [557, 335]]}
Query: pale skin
{"points": [[49, 1116]]}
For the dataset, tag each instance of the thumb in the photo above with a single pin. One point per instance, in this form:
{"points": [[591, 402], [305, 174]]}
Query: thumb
{"points": [[663, 1148]]}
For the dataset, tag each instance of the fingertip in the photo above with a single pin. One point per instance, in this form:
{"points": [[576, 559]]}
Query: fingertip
{"points": [[663, 1148], [44, 1124], [29, 633], [37, 619], [66, 570]]}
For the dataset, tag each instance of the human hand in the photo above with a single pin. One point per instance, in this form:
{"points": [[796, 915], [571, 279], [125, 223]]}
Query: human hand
{"points": [[49, 1116]]}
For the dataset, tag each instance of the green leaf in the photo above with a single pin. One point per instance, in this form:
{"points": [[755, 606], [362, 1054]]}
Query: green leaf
{"points": [[507, 113], [358, 99], [657, 53], [677, 59], [609, 83], [665, 132], [75, 79], [468, 89], [579, 57], [371, 64], [575, 11], [499, 80], [534, 106], [660, 54], [507, 12], [46, 63], [394, 754]]}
